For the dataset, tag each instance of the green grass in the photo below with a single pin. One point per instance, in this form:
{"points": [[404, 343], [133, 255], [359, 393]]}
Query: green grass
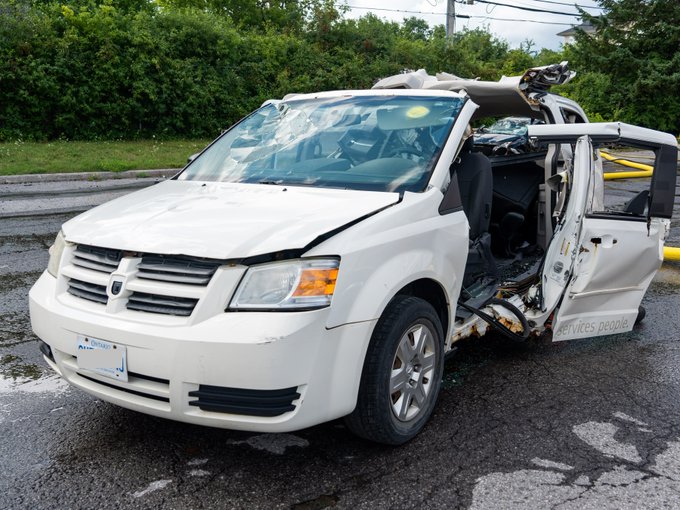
{"points": [[61, 156]]}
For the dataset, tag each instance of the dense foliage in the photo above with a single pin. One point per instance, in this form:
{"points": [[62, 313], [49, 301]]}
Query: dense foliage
{"points": [[631, 66], [129, 69]]}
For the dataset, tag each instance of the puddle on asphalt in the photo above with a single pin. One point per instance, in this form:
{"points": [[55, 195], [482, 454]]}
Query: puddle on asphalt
{"points": [[18, 376], [50, 384], [11, 281], [667, 280], [13, 367], [272, 443], [27, 240], [15, 329]]}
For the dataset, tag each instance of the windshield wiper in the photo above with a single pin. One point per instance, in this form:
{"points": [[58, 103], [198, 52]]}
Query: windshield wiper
{"points": [[269, 181]]}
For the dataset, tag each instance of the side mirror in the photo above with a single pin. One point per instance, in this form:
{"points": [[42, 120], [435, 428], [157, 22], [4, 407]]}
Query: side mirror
{"points": [[192, 157]]}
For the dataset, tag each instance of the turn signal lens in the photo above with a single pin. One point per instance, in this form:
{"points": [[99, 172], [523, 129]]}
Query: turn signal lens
{"points": [[316, 282]]}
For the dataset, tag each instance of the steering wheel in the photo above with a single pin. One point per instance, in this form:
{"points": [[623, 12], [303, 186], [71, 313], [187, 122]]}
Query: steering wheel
{"points": [[405, 149]]}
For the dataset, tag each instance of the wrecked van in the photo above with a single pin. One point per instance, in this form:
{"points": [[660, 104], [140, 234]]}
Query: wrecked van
{"points": [[322, 257]]}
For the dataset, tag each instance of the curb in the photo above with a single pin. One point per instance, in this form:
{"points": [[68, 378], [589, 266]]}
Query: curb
{"points": [[87, 176], [45, 212]]}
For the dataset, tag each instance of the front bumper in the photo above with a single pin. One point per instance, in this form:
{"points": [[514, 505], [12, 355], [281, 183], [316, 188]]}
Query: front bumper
{"points": [[236, 351]]}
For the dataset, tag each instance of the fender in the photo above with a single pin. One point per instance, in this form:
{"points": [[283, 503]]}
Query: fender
{"points": [[391, 249]]}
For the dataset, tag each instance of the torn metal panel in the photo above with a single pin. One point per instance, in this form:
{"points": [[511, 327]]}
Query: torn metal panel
{"points": [[475, 326]]}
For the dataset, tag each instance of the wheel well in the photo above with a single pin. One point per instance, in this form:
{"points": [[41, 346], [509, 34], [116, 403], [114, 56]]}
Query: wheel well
{"points": [[432, 292]]}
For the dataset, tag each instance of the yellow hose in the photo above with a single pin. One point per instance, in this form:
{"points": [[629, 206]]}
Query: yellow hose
{"points": [[670, 253], [643, 170], [610, 176]]}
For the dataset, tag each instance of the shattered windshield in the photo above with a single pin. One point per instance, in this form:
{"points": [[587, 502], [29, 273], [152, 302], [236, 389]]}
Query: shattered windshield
{"points": [[379, 143]]}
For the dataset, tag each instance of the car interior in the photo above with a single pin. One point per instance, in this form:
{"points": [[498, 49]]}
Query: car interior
{"points": [[504, 200], [501, 199]]}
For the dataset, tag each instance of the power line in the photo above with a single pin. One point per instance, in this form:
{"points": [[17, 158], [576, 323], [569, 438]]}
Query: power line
{"points": [[459, 16], [525, 4], [531, 4], [523, 20], [569, 4], [531, 9], [403, 10]]}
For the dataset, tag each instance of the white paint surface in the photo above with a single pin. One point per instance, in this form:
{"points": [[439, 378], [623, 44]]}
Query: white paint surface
{"points": [[551, 464], [601, 437], [629, 419], [152, 487], [182, 217], [619, 486], [668, 462]]}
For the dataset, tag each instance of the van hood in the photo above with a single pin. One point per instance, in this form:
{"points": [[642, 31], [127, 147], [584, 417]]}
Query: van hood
{"points": [[221, 220]]}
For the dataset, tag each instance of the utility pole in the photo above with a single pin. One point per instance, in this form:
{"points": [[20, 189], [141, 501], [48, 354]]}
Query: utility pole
{"points": [[450, 19]]}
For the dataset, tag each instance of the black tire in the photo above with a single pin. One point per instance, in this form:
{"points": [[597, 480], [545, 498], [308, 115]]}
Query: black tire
{"points": [[376, 416], [641, 315]]}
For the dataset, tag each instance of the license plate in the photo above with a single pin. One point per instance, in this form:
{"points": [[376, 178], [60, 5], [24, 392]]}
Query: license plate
{"points": [[102, 357]]}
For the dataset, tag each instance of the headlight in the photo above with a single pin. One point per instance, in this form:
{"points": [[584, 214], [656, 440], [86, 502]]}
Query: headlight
{"points": [[56, 251], [297, 284]]}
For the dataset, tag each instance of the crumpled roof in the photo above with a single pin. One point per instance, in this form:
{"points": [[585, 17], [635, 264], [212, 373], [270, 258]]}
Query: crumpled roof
{"points": [[511, 95]]}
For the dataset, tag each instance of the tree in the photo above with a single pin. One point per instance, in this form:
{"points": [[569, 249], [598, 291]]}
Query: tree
{"points": [[634, 57], [281, 15], [516, 62], [102, 69], [416, 28]]}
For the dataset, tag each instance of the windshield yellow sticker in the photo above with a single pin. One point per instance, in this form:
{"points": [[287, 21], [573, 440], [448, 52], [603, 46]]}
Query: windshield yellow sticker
{"points": [[417, 112]]}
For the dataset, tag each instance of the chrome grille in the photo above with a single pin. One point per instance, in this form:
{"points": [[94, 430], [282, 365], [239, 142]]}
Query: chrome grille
{"points": [[104, 260], [89, 291], [154, 303], [177, 269], [154, 283]]}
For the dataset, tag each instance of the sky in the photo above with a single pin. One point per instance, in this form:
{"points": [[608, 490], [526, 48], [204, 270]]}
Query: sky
{"points": [[486, 15]]}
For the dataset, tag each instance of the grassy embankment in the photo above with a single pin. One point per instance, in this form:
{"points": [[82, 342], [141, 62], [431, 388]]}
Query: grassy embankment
{"points": [[114, 156]]}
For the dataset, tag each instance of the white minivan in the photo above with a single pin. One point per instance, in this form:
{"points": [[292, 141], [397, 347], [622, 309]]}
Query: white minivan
{"points": [[321, 257]]}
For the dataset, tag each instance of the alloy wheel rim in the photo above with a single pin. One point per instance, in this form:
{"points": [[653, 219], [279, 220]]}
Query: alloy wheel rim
{"points": [[412, 372]]}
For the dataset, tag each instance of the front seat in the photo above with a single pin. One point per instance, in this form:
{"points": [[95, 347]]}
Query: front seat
{"points": [[475, 183]]}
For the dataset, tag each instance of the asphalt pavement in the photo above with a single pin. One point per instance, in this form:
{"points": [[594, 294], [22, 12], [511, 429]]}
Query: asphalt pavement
{"points": [[58, 194], [591, 423]]}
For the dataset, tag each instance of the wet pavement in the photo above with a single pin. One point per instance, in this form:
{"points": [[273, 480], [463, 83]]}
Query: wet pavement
{"points": [[590, 423], [61, 197]]}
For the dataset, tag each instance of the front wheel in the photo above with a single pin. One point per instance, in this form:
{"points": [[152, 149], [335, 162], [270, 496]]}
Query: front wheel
{"points": [[402, 373]]}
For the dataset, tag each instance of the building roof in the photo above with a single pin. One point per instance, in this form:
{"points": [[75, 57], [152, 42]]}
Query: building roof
{"points": [[570, 32]]}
